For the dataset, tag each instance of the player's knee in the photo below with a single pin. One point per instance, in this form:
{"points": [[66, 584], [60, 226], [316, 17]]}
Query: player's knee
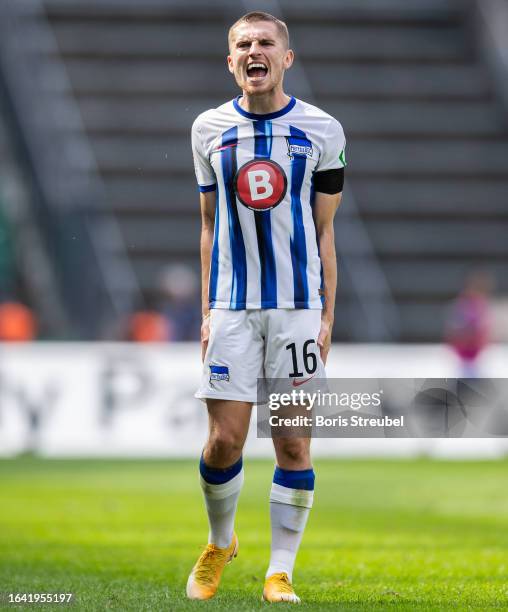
{"points": [[294, 450], [224, 448]]}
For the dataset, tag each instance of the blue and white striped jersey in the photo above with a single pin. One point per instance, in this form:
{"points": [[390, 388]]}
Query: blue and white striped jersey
{"points": [[265, 252]]}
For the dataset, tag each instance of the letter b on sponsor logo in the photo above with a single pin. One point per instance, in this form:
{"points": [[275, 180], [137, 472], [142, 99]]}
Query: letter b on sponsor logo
{"points": [[259, 184]]}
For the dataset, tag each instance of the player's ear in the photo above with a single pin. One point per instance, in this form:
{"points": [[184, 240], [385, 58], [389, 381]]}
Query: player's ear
{"points": [[230, 64], [289, 59]]}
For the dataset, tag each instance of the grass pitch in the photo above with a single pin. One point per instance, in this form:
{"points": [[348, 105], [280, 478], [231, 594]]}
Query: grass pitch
{"points": [[383, 535]]}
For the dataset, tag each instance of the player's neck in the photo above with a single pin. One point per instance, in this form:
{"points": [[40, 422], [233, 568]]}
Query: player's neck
{"points": [[270, 102]]}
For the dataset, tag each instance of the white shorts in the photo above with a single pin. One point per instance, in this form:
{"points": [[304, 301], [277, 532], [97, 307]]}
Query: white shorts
{"points": [[247, 345]]}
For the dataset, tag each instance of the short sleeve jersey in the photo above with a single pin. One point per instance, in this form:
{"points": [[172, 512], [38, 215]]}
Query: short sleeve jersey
{"points": [[265, 252]]}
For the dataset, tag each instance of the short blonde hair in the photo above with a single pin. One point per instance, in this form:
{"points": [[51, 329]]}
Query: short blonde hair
{"points": [[260, 16]]}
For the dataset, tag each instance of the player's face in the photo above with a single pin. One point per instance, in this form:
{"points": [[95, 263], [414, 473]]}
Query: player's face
{"points": [[258, 57]]}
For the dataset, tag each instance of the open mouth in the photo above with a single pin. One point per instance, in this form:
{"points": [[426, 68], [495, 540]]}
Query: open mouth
{"points": [[257, 70]]}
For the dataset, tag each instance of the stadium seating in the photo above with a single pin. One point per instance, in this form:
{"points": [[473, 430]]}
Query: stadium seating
{"points": [[26, 274], [428, 141], [8, 271]]}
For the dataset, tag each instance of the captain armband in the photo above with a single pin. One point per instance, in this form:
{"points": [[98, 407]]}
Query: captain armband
{"points": [[329, 181]]}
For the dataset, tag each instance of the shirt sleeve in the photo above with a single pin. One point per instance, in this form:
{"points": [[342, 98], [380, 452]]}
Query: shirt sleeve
{"points": [[333, 154], [205, 174]]}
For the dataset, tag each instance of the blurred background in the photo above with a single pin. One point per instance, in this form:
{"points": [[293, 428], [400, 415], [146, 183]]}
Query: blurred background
{"points": [[99, 215]]}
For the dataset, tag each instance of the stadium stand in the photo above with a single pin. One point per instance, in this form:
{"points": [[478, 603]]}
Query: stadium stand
{"points": [[80, 237], [7, 267], [428, 138], [26, 275], [8, 271]]}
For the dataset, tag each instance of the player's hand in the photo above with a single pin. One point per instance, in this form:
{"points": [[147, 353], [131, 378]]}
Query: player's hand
{"points": [[325, 338], [205, 335]]}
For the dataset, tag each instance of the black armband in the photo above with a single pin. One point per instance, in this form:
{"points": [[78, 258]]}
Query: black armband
{"points": [[329, 181]]}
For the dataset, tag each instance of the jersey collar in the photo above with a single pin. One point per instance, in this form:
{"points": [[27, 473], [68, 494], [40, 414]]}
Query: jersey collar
{"points": [[279, 113]]}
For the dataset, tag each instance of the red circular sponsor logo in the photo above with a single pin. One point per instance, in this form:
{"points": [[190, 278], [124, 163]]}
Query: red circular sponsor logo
{"points": [[261, 184]]}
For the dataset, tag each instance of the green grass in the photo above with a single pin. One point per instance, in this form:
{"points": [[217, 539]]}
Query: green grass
{"points": [[383, 535]]}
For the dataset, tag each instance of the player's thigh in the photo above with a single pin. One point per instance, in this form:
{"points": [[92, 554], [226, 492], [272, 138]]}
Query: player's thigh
{"points": [[234, 357], [292, 351]]}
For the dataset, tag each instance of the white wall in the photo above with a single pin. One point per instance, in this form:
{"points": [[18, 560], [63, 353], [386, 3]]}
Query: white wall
{"points": [[137, 400]]}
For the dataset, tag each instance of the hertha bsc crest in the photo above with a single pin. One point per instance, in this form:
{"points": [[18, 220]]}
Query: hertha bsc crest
{"points": [[218, 372]]}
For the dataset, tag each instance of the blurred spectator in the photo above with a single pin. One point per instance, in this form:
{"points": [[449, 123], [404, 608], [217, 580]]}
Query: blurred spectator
{"points": [[17, 323], [147, 326], [181, 305], [468, 328], [174, 315]]}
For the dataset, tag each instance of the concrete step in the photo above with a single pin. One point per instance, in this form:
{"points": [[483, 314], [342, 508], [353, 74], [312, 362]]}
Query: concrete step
{"points": [[149, 10], [376, 199], [412, 279], [172, 235], [427, 157], [162, 155], [187, 78], [376, 11], [401, 238], [326, 42], [360, 119], [420, 321], [371, 157], [437, 12], [429, 238], [437, 197], [440, 279], [389, 81], [146, 78], [435, 119], [5, 144], [172, 194]]}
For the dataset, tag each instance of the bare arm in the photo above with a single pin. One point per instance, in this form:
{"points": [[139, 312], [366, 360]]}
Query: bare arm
{"points": [[207, 203], [325, 207]]}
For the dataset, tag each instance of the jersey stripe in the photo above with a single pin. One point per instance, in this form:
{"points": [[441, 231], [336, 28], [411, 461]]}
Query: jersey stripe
{"points": [[239, 280], [298, 244], [262, 148], [214, 265]]}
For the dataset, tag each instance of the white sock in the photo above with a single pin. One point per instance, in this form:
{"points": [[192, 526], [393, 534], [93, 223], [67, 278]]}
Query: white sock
{"points": [[221, 501], [289, 511]]}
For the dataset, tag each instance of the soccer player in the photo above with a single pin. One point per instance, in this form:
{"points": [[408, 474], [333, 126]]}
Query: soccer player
{"points": [[270, 170]]}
